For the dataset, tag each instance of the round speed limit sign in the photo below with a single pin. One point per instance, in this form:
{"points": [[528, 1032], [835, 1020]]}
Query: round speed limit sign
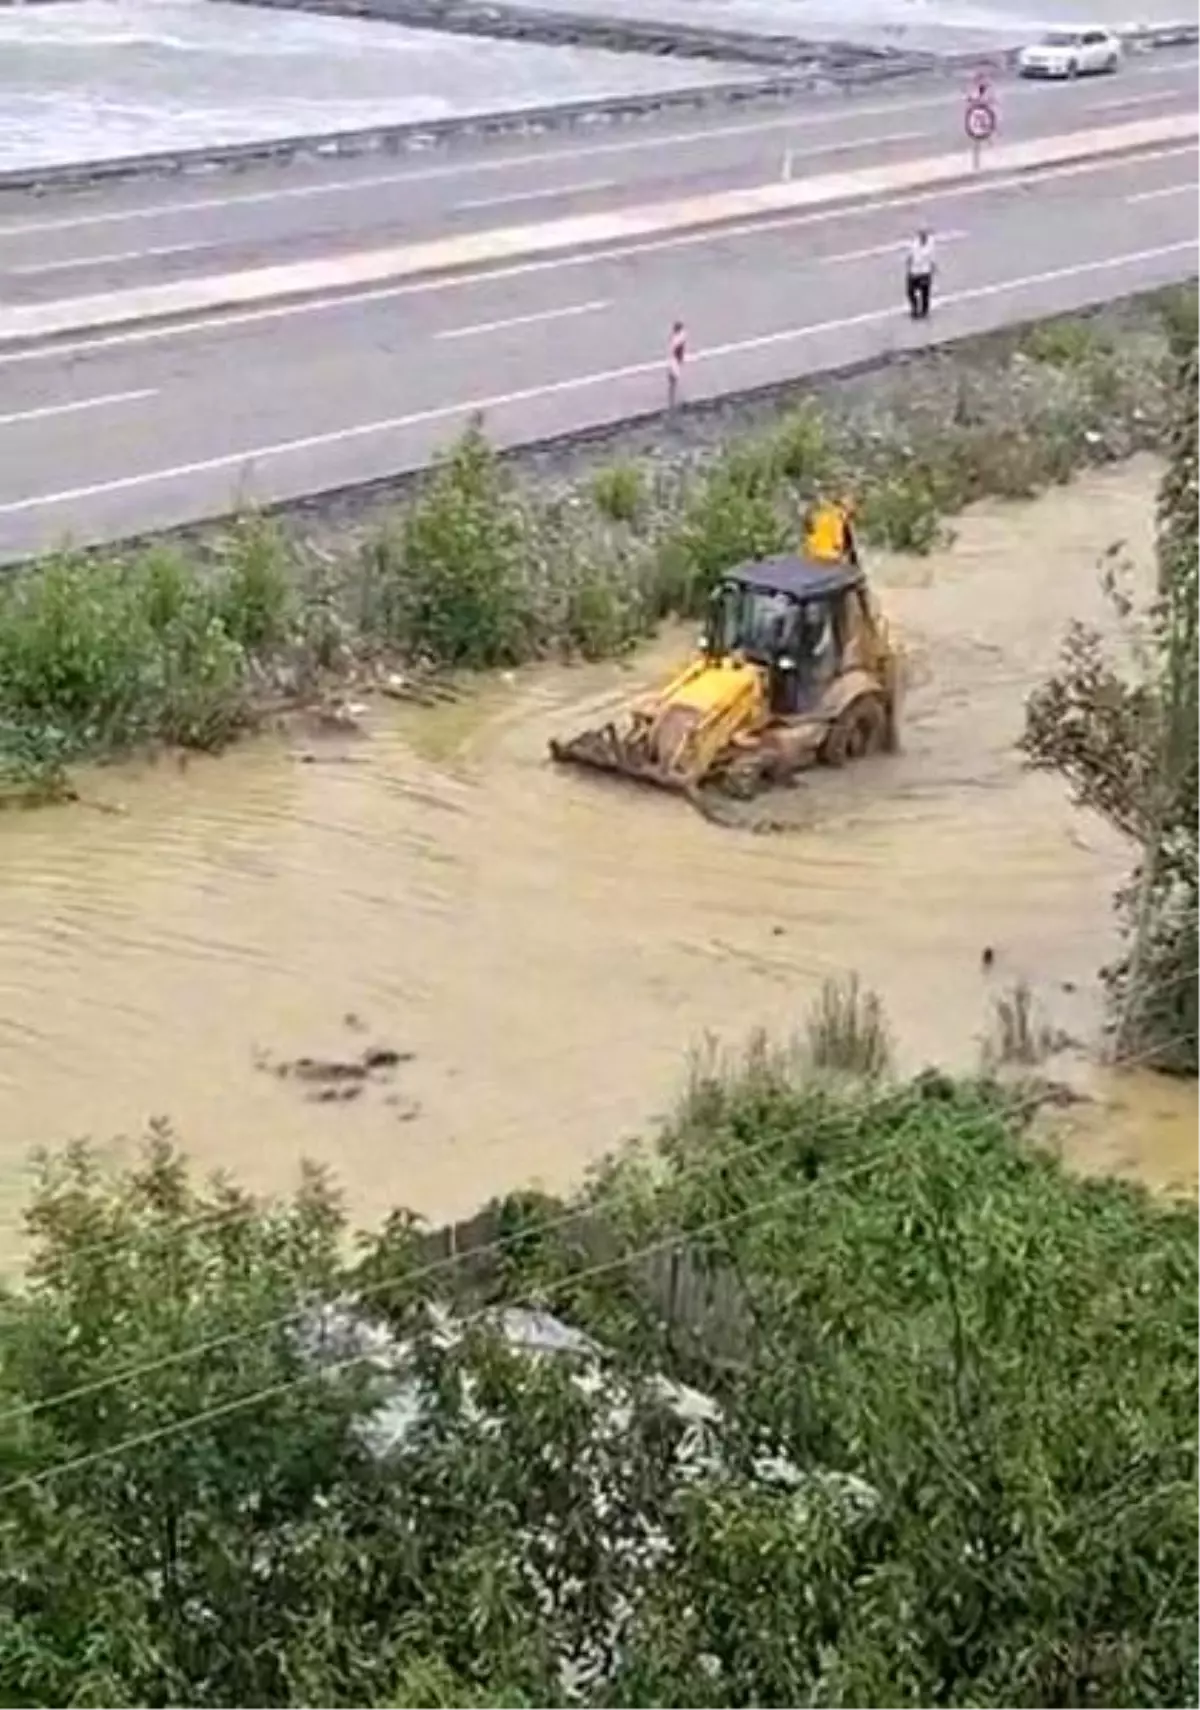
{"points": [[980, 121]]}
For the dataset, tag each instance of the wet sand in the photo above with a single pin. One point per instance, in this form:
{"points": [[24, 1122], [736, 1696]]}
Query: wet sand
{"points": [[548, 945]]}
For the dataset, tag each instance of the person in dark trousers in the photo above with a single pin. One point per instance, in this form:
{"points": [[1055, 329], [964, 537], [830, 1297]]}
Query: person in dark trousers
{"points": [[919, 270]]}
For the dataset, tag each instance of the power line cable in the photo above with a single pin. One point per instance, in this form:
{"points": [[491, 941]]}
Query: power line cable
{"points": [[709, 1167], [239, 1403]]}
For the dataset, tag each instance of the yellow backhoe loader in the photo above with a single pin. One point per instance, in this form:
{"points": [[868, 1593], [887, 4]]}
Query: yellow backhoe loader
{"points": [[795, 668]]}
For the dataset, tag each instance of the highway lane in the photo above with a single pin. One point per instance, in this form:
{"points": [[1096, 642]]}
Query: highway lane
{"points": [[74, 244], [148, 430]]}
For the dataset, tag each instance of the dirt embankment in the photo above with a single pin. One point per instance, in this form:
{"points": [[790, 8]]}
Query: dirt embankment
{"points": [[533, 952]]}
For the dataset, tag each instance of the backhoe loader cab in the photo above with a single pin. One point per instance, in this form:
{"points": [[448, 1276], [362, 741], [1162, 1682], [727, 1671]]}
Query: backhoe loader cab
{"points": [[792, 618], [795, 667]]}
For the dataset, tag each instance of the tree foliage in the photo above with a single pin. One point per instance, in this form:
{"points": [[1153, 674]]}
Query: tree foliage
{"points": [[1127, 744], [948, 1457]]}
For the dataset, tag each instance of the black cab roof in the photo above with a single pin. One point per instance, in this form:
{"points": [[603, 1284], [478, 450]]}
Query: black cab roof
{"points": [[802, 578]]}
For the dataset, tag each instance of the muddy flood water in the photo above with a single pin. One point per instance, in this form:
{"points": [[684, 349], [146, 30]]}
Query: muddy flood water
{"points": [[547, 945]]}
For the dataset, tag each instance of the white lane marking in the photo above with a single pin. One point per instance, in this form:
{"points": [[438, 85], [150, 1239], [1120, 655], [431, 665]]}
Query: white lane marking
{"points": [[1167, 190], [895, 248], [554, 388], [42, 411], [515, 162], [29, 270], [518, 162], [585, 258], [525, 320], [1152, 97], [884, 140], [537, 195]]}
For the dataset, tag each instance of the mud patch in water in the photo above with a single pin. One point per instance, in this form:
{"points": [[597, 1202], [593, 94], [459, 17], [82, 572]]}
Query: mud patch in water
{"points": [[547, 946]]}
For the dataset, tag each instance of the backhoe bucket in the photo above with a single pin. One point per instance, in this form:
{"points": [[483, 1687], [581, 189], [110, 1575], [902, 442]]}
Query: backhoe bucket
{"points": [[674, 738], [639, 752]]}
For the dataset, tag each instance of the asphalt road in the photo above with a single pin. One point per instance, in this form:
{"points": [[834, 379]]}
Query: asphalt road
{"points": [[77, 243], [151, 426]]}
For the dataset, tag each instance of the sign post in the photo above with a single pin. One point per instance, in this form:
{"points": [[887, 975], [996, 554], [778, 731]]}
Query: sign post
{"points": [[979, 122]]}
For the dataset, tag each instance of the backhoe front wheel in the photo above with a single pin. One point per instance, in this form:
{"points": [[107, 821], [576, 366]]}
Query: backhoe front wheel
{"points": [[746, 777], [859, 730]]}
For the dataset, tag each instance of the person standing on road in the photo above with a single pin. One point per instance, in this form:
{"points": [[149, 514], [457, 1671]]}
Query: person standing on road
{"points": [[676, 355], [920, 267]]}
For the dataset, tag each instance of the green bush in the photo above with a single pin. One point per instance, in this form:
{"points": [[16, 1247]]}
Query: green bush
{"points": [[479, 570], [453, 578], [111, 653], [800, 448], [1065, 343], [953, 1460], [619, 492], [33, 765], [734, 517], [902, 512], [256, 585]]}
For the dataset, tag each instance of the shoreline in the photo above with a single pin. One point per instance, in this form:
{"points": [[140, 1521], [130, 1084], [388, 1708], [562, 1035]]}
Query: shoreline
{"points": [[791, 67]]}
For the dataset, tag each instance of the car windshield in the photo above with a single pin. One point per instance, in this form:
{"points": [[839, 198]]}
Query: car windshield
{"points": [[1061, 38]]}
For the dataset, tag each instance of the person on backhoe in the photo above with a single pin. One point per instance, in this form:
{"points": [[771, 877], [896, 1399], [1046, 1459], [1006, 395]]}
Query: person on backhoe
{"points": [[829, 533]]}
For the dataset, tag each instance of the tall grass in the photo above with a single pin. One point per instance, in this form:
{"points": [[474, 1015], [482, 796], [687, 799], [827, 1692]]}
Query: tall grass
{"points": [[1020, 1036], [846, 1031]]}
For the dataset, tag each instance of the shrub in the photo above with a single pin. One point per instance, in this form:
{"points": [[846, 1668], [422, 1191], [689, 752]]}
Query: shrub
{"points": [[110, 653], [479, 571], [256, 585], [800, 447], [902, 512], [733, 518], [452, 578], [1065, 343], [33, 766], [619, 492], [952, 1459]]}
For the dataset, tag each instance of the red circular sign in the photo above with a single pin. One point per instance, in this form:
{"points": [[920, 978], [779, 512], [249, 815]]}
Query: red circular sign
{"points": [[980, 120]]}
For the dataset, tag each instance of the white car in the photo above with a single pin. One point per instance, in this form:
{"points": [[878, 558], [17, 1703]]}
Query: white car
{"points": [[1070, 53]]}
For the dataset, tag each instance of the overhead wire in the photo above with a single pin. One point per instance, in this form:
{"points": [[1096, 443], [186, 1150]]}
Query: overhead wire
{"points": [[236, 1404], [709, 1167]]}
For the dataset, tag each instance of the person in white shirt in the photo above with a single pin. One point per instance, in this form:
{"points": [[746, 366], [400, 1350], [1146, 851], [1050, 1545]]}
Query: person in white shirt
{"points": [[918, 274]]}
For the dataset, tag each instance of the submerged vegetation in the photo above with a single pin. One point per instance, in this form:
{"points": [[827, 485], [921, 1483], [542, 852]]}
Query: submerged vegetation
{"points": [[188, 645], [948, 1454]]}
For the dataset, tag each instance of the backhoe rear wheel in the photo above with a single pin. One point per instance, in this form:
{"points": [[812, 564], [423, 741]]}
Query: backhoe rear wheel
{"points": [[859, 730]]}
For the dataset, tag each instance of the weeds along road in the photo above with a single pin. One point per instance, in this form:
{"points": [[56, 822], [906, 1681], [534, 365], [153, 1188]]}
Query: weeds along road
{"points": [[107, 433]]}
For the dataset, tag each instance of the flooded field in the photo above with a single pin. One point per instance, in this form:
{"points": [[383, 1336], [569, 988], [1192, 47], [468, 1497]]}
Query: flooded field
{"points": [[545, 945]]}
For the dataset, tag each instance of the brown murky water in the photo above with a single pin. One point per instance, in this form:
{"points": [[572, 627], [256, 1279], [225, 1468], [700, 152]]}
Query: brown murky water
{"points": [[548, 945]]}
